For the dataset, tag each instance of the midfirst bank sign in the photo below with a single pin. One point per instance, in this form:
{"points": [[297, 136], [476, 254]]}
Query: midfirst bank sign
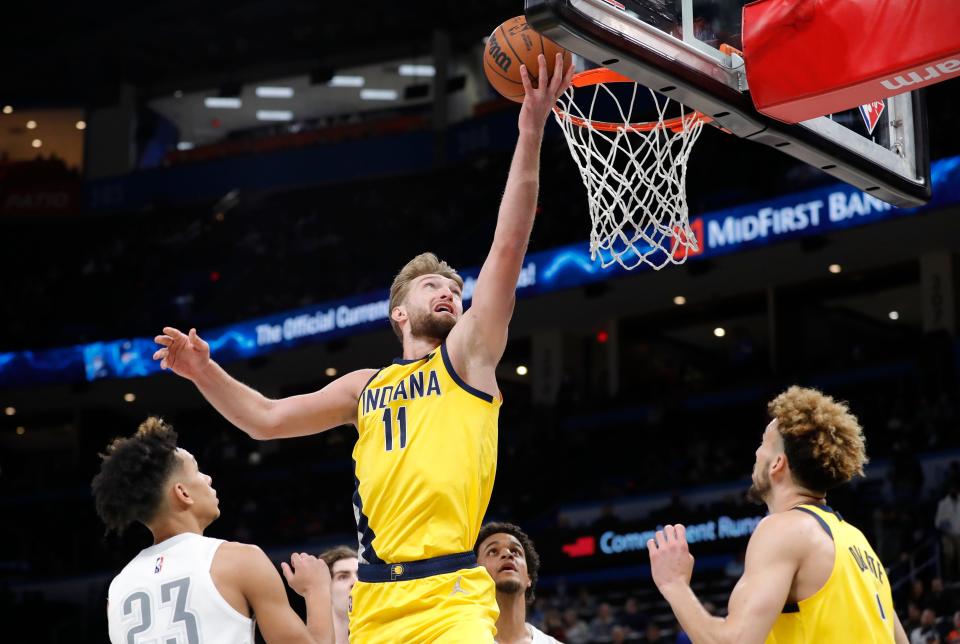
{"points": [[840, 208]]}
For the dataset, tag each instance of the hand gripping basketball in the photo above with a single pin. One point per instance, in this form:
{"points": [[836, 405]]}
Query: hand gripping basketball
{"points": [[185, 355], [539, 101]]}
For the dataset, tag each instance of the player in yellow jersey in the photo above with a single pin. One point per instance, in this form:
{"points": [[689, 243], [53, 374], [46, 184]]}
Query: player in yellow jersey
{"points": [[426, 454], [809, 576]]}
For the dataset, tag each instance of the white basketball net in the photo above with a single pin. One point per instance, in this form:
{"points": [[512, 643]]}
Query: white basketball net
{"points": [[635, 175]]}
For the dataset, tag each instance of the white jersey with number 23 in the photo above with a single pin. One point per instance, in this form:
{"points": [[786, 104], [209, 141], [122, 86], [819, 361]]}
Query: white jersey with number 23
{"points": [[166, 595]]}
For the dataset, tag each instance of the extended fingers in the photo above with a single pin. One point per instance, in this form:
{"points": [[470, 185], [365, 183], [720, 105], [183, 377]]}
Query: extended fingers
{"points": [[557, 77], [165, 340], [525, 79]]}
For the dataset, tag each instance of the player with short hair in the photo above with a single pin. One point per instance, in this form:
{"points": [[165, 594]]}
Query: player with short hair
{"points": [[809, 576], [426, 454], [342, 561], [187, 587], [508, 554]]}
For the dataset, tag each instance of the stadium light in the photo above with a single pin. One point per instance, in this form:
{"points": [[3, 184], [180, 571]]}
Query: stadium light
{"points": [[223, 102], [679, 300], [894, 315], [21, 430], [379, 94], [347, 81], [129, 397], [184, 145], [331, 372], [719, 332], [521, 370], [31, 124], [36, 143], [274, 92], [10, 411], [834, 268], [418, 70], [8, 109], [81, 125], [274, 115]]}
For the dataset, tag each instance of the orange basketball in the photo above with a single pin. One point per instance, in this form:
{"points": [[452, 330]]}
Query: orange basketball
{"points": [[512, 44]]}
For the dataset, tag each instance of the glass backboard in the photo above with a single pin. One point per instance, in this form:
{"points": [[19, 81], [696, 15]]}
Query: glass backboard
{"points": [[689, 50]]}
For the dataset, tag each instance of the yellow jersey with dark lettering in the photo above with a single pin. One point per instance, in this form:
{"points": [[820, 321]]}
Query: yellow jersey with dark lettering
{"points": [[855, 605], [424, 462]]}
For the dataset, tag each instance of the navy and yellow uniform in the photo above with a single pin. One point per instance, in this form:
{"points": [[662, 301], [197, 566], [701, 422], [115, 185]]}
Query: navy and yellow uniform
{"points": [[424, 465], [855, 605]]}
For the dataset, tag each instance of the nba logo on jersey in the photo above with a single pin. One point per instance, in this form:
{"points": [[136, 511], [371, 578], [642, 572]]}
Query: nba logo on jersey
{"points": [[871, 113], [159, 565]]}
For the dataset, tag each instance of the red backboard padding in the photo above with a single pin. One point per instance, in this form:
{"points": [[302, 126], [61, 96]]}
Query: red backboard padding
{"points": [[808, 58]]}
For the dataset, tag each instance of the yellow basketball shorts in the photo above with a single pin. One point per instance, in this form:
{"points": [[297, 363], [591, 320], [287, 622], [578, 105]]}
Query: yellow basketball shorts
{"points": [[457, 607]]}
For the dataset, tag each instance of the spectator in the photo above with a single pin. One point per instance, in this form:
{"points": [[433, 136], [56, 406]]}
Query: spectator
{"points": [[618, 635], [947, 522], [655, 634], [953, 635], [601, 628], [575, 630], [632, 617], [913, 617], [940, 599], [927, 629]]}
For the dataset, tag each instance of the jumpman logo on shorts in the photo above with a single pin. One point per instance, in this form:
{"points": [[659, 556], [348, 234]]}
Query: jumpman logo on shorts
{"points": [[457, 588]]}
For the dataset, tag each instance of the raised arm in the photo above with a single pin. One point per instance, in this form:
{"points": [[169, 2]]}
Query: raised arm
{"points": [[772, 560], [246, 568], [188, 355], [482, 334]]}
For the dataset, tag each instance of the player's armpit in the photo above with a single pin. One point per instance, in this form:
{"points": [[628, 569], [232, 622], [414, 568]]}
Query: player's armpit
{"points": [[332, 406], [773, 558], [263, 589]]}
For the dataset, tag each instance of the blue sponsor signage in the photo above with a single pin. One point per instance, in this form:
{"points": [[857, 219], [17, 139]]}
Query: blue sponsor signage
{"points": [[813, 212]]}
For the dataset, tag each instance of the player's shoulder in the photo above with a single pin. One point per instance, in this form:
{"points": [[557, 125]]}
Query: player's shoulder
{"points": [[786, 530], [240, 562], [539, 637]]}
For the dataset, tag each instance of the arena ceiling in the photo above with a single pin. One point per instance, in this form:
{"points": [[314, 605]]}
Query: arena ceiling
{"points": [[60, 53]]}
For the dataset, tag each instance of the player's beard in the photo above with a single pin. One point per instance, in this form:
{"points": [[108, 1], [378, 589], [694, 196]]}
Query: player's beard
{"points": [[509, 587], [426, 324], [760, 488]]}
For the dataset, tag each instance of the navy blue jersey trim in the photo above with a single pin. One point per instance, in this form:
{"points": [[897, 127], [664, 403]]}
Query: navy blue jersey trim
{"points": [[365, 535], [404, 361], [823, 524], [831, 511], [360, 397], [457, 379], [405, 571]]}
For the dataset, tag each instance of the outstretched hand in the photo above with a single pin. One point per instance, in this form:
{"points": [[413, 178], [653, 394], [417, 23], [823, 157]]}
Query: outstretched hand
{"points": [[184, 354], [538, 101], [306, 574], [670, 560]]}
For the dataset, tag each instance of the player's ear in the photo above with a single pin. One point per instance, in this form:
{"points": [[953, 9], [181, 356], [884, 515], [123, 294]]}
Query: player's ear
{"points": [[181, 495], [778, 464], [398, 314]]}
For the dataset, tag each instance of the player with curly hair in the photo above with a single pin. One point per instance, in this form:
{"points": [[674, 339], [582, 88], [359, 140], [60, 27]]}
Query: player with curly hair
{"points": [[188, 587], [809, 576]]}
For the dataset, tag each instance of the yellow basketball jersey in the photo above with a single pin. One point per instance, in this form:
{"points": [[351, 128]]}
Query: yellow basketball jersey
{"points": [[424, 462], [855, 605]]}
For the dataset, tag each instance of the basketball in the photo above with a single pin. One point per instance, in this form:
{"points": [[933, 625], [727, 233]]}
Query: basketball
{"points": [[512, 44]]}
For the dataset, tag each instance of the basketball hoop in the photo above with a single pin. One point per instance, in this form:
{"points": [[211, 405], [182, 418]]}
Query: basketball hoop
{"points": [[635, 172]]}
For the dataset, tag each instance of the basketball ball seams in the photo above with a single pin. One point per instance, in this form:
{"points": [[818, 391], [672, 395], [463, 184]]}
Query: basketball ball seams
{"points": [[517, 56], [496, 71]]}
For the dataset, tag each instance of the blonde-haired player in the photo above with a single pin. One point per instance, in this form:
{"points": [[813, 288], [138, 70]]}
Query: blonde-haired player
{"points": [[809, 576], [426, 453]]}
